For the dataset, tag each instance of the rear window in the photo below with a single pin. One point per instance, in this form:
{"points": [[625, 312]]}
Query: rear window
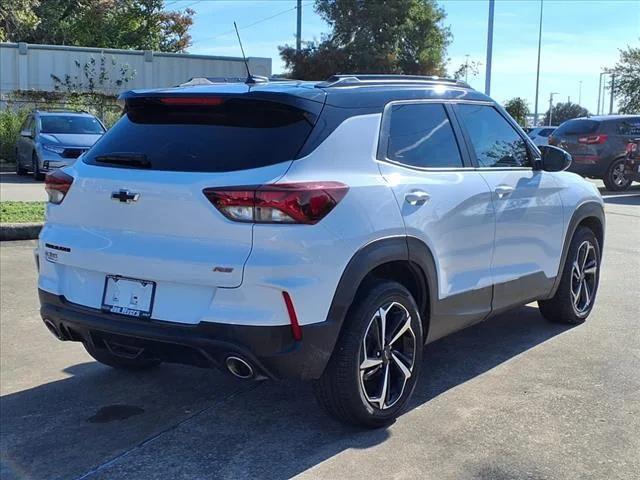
{"points": [[577, 127], [238, 134], [70, 124]]}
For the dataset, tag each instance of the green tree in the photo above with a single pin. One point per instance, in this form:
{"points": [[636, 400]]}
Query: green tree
{"points": [[135, 24], [519, 109], [626, 88], [565, 111], [381, 36], [466, 70]]}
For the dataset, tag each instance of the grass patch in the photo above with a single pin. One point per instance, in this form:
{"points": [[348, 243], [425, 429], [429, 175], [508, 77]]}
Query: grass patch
{"points": [[21, 212]]}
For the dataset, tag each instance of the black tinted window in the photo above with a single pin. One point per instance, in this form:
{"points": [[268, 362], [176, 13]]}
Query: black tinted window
{"points": [[545, 132], [70, 124], [495, 141], [629, 127], [420, 135], [238, 134], [577, 127]]}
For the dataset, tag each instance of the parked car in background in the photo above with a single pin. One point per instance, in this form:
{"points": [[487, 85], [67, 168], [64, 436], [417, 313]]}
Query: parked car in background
{"points": [[53, 139], [540, 135], [632, 163], [385, 212], [598, 146]]}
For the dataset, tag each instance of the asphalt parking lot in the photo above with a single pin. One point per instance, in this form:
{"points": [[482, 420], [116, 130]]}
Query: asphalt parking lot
{"points": [[511, 398]]}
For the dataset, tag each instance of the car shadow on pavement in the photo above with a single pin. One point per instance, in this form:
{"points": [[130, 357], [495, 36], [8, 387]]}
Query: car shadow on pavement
{"points": [[629, 199], [227, 428], [11, 177]]}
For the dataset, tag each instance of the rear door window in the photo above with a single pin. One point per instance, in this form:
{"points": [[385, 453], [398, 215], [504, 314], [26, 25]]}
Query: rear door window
{"points": [[577, 127], [237, 134], [420, 135], [495, 142], [629, 127]]}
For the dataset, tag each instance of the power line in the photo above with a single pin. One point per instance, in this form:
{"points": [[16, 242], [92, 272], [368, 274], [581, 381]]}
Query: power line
{"points": [[248, 26]]}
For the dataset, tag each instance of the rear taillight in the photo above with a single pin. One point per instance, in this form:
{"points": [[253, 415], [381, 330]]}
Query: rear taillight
{"points": [[593, 139], [305, 202], [57, 184]]}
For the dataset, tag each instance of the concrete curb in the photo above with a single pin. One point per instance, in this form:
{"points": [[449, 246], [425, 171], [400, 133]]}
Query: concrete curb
{"points": [[19, 231]]}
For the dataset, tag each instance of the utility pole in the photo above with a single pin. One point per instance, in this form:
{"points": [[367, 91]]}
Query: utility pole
{"points": [[613, 84], [598, 110], [487, 79], [299, 26], [551, 106], [535, 115], [580, 92]]}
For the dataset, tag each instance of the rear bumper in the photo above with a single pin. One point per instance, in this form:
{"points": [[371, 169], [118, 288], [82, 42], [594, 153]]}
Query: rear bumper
{"points": [[271, 350]]}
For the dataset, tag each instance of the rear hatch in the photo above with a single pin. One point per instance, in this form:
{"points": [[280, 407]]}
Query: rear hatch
{"points": [[580, 137], [136, 208]]}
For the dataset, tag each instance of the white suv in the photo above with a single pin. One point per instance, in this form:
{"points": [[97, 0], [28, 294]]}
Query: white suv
{"points": [[323, 231]]}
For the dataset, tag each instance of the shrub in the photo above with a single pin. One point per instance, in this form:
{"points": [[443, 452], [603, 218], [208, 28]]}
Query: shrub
{"points": [[10, 122]]}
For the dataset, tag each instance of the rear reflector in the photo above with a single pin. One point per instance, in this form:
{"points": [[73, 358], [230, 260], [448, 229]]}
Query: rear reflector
{"points": [[593, 139], [192, 101], [57, 184], [305, 202], [296, 330]]}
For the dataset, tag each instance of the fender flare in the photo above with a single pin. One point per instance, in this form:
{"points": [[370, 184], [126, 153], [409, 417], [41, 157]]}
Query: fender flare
{"points": [[590, 209], [390, 249]]}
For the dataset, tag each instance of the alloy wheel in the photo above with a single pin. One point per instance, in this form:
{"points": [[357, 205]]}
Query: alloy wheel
{"points": [[387, 356], [584, 277], [617, 175]]}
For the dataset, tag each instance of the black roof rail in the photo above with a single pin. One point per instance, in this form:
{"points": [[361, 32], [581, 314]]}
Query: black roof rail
{"points": [[382, 79]]}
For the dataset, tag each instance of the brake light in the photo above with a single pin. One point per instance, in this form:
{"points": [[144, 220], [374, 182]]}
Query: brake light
{"points": [[304, 202], [192, 101], [57, 184], [593, 139]]}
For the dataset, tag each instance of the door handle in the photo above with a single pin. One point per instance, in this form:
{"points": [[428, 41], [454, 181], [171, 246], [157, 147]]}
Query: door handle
{"points": [[416, 197], [503, 191]]}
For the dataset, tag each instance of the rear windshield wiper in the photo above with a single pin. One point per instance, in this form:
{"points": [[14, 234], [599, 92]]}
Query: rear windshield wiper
{"points": [[126, 159]]}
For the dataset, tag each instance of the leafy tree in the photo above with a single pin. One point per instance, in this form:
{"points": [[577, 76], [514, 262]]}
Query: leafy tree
{"points": [[135, 24], [565, 111], [627, 80], [466, 70], [382, 36], [517, 107]]}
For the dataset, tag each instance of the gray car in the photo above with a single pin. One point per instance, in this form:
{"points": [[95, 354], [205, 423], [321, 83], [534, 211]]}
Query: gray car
{"points": [[53, 139]]}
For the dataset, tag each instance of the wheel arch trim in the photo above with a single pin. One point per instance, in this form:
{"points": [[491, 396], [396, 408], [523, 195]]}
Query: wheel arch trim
{"points": [[586, 211]]}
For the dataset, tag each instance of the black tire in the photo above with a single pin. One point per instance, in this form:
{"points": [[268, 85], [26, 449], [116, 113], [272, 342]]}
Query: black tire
{"points": [[341, 390], [613, 180], [37, 175], [20, 170], [105, 357], [562, 307]]}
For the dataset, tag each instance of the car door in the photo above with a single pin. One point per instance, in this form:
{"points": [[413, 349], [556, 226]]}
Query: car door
{"points": [[24, 144], [527, 204], [444, 203]]}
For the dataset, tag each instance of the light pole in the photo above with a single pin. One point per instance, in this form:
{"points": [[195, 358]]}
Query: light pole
{"points": [[551, 106], [535, 115], [580, 92], [613, 86], [466, 68], [298, 26], [487, 78], [600, 91]]}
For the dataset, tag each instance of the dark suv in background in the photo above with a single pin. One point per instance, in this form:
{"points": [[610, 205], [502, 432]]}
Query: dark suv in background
{"points": [[598, 146]]}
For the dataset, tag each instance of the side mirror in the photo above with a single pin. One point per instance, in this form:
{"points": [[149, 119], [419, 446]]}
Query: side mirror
{"points": [[554, 159], [26, 133]]}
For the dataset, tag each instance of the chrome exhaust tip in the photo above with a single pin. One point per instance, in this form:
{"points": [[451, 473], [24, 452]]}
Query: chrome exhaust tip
{"points": [[52, 328], [239, 368]]}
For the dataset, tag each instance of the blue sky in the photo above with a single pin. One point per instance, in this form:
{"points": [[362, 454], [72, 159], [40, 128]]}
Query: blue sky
{"points": [[579, 38]]}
